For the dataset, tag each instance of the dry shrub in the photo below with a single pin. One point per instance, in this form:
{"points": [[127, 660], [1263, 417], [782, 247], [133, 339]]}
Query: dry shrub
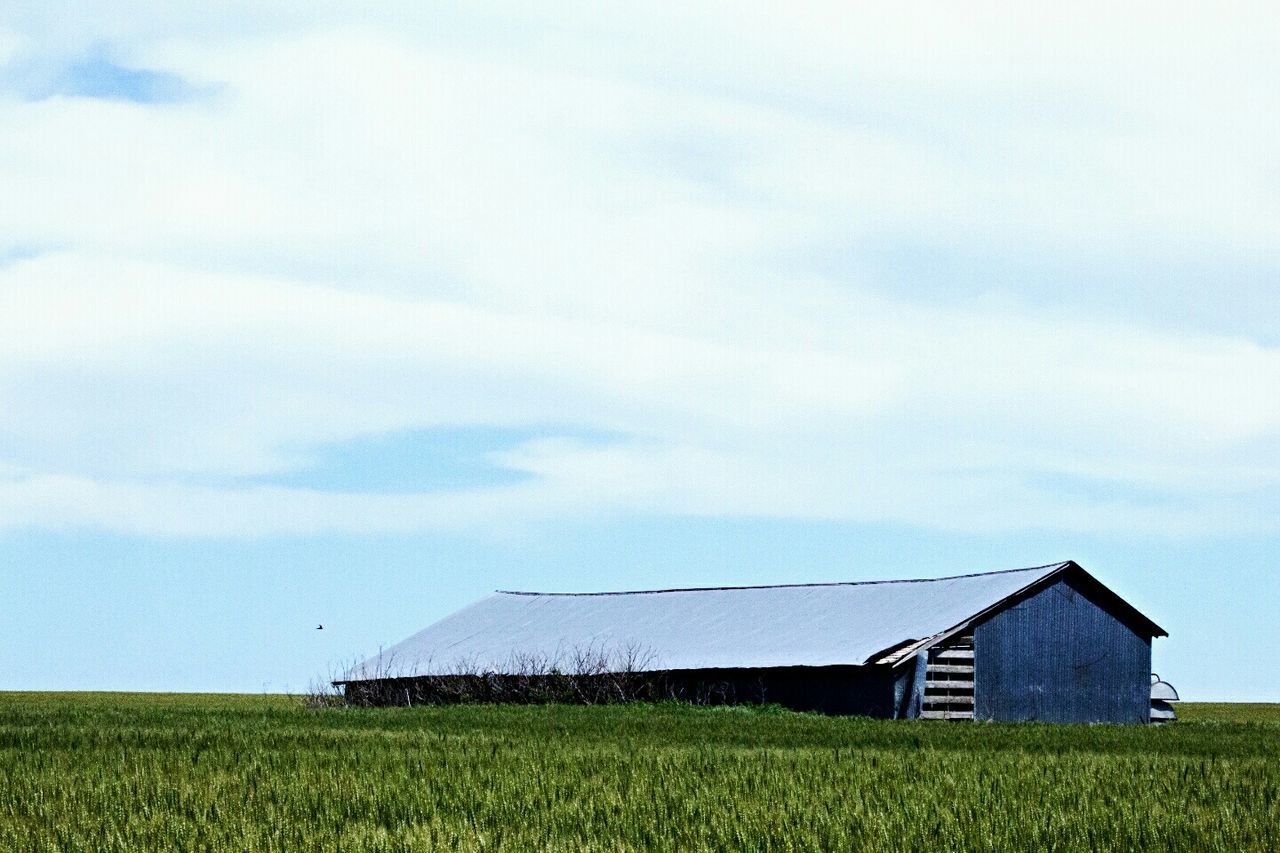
{"points": [[593, 675]]}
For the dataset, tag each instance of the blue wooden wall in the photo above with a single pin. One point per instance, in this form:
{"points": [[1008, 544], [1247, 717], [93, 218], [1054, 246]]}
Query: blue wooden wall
{"points": [[1058, 656]]}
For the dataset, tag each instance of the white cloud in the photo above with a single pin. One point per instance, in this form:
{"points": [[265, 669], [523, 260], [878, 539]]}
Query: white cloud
{"points": [[388, 228]]}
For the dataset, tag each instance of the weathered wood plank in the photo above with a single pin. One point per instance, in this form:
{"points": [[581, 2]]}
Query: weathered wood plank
{"points": [[948, 667], [946, 715], [948, 685]]}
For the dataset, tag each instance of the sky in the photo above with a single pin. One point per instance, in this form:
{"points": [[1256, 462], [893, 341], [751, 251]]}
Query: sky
{"points": [[317, 315]]}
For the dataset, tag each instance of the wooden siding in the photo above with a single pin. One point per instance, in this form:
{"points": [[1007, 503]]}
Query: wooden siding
{"points": [[1059, 656]]}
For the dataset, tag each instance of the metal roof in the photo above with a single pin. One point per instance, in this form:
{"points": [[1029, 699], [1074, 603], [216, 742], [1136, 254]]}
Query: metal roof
{"points": [[723, 627]]}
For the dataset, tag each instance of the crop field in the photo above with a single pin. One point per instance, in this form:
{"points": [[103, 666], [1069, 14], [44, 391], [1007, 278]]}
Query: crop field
{"points": [[180, 772]]}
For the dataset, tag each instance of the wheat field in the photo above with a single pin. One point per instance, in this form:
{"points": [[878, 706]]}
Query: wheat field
{"points": [[133, 772]]}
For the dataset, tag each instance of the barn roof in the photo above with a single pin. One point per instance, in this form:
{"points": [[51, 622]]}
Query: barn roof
{"points": [[719, 627]]}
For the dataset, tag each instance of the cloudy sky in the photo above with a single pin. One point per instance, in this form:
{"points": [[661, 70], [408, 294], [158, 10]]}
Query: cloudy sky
{"points": [[313, 315]]}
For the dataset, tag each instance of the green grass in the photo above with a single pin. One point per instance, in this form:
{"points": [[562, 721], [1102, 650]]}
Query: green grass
{"points": [[1229, 712], [147, 772]]}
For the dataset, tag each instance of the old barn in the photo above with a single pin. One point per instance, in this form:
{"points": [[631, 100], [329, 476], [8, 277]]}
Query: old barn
{"points": [[1048, 643]]}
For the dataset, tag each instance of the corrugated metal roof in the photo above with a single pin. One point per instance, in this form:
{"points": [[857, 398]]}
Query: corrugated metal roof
{"points": [[727, 627]]}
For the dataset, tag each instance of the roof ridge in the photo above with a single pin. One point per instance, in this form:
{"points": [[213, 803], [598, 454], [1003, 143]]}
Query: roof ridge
{"points": [[1046, 566]]}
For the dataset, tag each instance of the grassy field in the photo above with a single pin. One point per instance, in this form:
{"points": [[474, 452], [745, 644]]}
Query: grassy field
{"points": [[174, 772]]}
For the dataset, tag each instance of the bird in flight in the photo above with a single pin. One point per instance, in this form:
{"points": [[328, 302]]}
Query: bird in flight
{"points": [[319, 627]]}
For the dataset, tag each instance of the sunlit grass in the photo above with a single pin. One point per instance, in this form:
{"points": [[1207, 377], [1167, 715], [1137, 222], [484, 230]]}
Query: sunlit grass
{"points": [[143, 772], [1229, 712]]}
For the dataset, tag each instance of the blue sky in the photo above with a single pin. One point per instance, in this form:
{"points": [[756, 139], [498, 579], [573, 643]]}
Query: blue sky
{"points": [[347, 317]]}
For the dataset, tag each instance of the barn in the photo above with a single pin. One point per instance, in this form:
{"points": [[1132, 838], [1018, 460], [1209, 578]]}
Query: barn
{"points": [[1048, 643]]}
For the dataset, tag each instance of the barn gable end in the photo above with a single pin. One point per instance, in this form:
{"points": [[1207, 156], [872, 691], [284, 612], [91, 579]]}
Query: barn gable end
{"points": [[1064, 654]]}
